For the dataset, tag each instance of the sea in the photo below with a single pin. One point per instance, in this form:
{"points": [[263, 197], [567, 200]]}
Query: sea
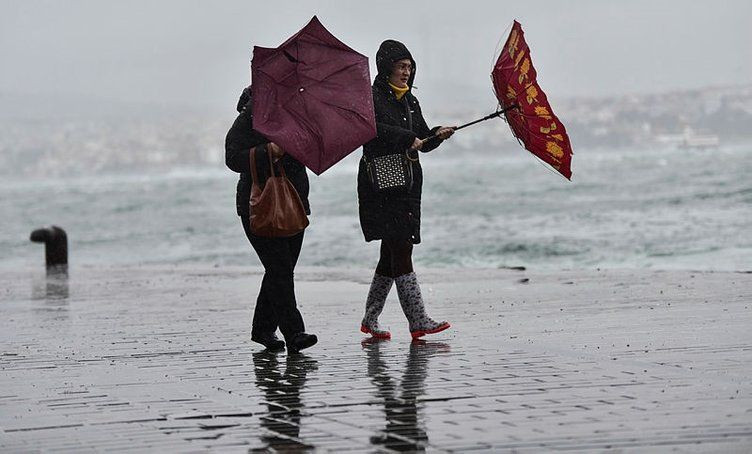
{"points": [[640, 207]]}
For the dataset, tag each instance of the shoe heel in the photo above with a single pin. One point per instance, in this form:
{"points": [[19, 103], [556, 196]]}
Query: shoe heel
{"points": [[364, 329], [421, 333]]}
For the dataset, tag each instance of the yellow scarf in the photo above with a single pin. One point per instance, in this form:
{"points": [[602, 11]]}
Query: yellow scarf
{"points": [[399, 92]]}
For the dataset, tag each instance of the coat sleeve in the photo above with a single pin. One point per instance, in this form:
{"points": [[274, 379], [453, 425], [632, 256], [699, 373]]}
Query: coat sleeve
{"points": [[423, 131], [394, 136], [240, 139]]}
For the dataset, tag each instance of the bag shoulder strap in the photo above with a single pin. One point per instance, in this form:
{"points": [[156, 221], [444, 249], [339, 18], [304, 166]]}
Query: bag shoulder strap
{"points": [[410, 127], [271, 162], [254, 172], [271, 166]]}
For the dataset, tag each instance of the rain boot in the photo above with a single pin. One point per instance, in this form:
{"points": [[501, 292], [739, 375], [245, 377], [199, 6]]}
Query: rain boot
{"points": [[412, 304], [380, 286]]}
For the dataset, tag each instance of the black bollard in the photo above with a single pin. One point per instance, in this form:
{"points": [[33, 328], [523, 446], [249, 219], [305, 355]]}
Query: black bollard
{"points": [[56, 246]]}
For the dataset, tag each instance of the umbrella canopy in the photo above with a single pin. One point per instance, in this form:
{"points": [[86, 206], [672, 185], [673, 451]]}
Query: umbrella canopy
{"points": [[526, 107], [312, 96]]}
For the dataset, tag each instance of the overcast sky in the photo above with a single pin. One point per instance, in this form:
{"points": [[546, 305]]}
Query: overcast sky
{"points": [[197, 52]]}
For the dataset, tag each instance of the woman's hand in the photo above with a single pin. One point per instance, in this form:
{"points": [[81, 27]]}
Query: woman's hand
{"points": [[445, 132], [275, 150], [417, 144]]}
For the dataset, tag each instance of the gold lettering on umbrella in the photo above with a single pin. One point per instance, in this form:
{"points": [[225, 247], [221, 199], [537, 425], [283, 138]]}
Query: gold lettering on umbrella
{"points": [[558, 137], [554, 149], [548, 130], [542, 112], [524, 70], [532, 94], [514, 38], [511, 94]]}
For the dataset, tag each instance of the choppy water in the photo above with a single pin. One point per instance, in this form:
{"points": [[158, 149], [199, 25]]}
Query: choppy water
{"points": [[625, 208]]}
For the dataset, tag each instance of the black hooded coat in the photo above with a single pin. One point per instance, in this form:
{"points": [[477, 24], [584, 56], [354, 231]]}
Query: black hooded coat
{"points": [[240, 139], [393, 215]]}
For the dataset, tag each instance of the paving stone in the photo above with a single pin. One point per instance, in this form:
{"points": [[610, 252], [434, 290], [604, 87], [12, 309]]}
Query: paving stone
{"points": [[158, 359]]}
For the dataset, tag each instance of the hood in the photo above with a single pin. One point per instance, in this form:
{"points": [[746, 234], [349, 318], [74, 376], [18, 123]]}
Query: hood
{"points": [[245, 98], [389, 52]]}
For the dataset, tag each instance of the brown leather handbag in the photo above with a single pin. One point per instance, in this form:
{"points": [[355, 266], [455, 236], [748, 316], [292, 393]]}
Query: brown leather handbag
{"points": [[276, 209]]}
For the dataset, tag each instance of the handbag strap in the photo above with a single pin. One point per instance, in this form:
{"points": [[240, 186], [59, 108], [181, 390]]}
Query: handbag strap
{"points": [[254, 173], [281, 166], [410, 127], [408, 114]]}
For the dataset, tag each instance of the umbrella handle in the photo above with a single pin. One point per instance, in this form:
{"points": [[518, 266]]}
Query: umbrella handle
{"points": [[487, 117]]}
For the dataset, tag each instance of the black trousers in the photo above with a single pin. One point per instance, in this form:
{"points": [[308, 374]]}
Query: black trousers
{"points": [[395, 258], [276, 305]]}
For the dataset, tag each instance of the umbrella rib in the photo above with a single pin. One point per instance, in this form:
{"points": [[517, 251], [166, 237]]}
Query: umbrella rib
{"points": [[548, 166], [530, 131], [553, 117], [338, 107], [311, 132], [498, 43], [335, 72], [535, 134]]}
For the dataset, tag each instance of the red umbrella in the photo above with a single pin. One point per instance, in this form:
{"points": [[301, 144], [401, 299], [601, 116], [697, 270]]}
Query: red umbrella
{"points": [[526, 107], [312, 96]]}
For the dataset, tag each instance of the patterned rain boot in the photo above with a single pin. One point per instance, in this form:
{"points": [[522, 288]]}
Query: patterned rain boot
{"points": [[380, 287], [411, 301]]}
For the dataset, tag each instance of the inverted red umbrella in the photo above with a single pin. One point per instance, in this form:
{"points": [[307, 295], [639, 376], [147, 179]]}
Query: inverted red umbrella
{"points": [[526, 107], [312, 96]]}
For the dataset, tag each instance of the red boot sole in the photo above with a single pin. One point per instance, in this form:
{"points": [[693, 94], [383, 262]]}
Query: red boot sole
{"points": [[420, 333], [364, 329]]}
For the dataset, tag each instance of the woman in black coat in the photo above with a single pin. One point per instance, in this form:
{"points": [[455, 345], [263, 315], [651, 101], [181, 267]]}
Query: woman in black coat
{"points": [[394, 217], [275, 305]]}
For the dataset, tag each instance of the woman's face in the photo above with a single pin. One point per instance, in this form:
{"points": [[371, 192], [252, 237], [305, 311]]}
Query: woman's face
{"points": [[401, 72]]}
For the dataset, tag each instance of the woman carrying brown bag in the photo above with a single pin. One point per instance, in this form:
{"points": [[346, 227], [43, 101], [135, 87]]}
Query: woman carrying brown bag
{"points": [[276, 306]]}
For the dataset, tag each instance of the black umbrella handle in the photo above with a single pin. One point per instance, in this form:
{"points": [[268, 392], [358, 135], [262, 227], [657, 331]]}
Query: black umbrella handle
{"points": [[498, 113]]}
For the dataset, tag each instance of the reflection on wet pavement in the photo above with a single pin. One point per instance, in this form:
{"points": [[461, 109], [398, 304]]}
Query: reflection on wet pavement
{"points": [[282, 393], [54, 286], [405, 430], [158, 360]]}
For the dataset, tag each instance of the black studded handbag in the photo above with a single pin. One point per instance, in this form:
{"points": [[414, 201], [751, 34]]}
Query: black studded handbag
{"points": [[391, 172]]}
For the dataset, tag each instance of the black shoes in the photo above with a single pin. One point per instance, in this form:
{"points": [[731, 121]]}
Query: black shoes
{"points": [[300, 341], [294, 345], [269, 340]]}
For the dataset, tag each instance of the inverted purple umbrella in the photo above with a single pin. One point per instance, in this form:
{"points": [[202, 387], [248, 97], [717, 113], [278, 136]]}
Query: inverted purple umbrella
{"points": [[312, 97]]}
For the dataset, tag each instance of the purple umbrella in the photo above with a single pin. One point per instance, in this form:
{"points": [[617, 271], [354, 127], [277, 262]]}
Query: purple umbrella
{"points": [[312, 96]]}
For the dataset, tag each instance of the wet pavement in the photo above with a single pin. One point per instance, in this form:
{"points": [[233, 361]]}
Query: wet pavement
{"points": [[158, 359]]}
